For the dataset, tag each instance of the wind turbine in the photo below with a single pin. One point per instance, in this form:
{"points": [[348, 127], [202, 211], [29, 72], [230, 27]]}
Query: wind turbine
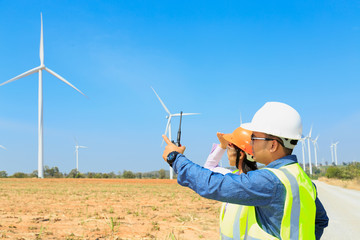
{"points": [[335, 152], [332, 153], [39, 69], [308, 137], [315, 149], [168, 125], [303, 146], [77, 154]]}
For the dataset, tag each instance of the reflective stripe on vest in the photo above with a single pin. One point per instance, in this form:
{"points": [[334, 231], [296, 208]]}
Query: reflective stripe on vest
{"points": [[298, 221], [229, 220], [299, 212], [227, 223]]}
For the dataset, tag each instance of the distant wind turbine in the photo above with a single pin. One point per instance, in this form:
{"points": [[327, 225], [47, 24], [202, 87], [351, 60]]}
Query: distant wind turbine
{"points": [[303, 146], [77, 154], [335, 152], [316, 146], [168, 125], [308, 137], [332, 153], [39, 69]]}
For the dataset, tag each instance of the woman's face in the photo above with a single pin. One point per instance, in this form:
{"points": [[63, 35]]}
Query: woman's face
{"points": [[231, 153]]}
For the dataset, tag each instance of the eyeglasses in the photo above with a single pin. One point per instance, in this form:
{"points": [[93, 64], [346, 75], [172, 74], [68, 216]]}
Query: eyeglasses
{"points": [[265, 139]]}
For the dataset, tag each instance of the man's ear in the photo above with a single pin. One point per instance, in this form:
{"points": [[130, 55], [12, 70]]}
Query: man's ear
{"points": [[274, 146]]}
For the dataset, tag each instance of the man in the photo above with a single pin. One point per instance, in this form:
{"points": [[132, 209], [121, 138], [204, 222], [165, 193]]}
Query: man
{"points": [[281, 201]]}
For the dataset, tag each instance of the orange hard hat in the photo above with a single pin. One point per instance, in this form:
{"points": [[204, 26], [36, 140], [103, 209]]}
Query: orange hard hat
{"points": [[241, 138]]}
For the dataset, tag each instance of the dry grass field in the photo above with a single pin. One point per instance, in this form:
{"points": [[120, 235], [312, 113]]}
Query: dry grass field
{"points": [[350, 184], [104, 209]]}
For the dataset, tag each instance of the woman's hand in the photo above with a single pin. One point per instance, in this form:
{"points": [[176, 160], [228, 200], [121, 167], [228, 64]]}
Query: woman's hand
{"points": [[223, 142]]}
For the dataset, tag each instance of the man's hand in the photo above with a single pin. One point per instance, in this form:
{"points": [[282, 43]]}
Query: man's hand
{"points": [[223, 142], [170, 147]]}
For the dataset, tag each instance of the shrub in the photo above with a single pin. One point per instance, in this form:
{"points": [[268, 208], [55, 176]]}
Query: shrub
{"points": [[3, 174], [128, 174], [20, 175], [333, 172]]}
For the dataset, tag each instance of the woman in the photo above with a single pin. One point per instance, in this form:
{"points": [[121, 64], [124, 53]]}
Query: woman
{"points": [[239, 152]]}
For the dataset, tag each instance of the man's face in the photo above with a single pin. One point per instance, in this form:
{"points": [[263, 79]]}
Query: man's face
{"points": [[260, 148]]}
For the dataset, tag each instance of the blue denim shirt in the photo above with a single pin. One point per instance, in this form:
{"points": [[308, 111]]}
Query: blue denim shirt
{"points": [[258, 188]]}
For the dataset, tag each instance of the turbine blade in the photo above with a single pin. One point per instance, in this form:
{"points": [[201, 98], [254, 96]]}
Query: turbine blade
{"points": [[166, 130], [63, 79], [184, 114], [167, 110], [2, 147], [34, 70], [187, 114], [240, 119], [310, 132], [82, 147], [41, 43], [167, 126]]}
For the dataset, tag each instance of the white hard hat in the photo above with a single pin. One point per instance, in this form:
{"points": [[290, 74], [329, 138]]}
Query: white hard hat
{"points": [[277, 119]]}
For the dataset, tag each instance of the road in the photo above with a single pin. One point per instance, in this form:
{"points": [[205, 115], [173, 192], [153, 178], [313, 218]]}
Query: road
{"points": [[343, 208]]}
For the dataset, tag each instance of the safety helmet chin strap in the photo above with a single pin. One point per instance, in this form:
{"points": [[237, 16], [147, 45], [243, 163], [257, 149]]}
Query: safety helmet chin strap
{"points": [[237, 157]]}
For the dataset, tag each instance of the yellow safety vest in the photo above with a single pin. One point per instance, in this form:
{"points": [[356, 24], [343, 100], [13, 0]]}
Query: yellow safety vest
{"points": [[298, 222]]}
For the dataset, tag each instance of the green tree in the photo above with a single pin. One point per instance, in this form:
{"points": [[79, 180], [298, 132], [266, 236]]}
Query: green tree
{"points": [[128, 174], [98, 175], [75, 174], [52, 172], [3, 174], [34, 174], [20, 175], [112, 175], [162, 174], [333, 172]]}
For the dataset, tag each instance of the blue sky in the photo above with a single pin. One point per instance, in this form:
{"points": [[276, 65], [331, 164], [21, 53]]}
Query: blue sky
{"points": [[218, 58]]}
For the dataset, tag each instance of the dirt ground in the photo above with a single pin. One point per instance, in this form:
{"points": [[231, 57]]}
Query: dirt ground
{"points": [[104, 209], [349, 184]]}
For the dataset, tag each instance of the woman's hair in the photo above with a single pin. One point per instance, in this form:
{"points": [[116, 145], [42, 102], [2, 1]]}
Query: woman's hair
{"points": [[246, 164]]}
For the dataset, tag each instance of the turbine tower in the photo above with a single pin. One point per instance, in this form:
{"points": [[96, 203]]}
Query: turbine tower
{"points": [[315, 149], [168, 125], [335, 153], [303, 146], [39, 69], [308, 137], [332, 153], [77, 154]]}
